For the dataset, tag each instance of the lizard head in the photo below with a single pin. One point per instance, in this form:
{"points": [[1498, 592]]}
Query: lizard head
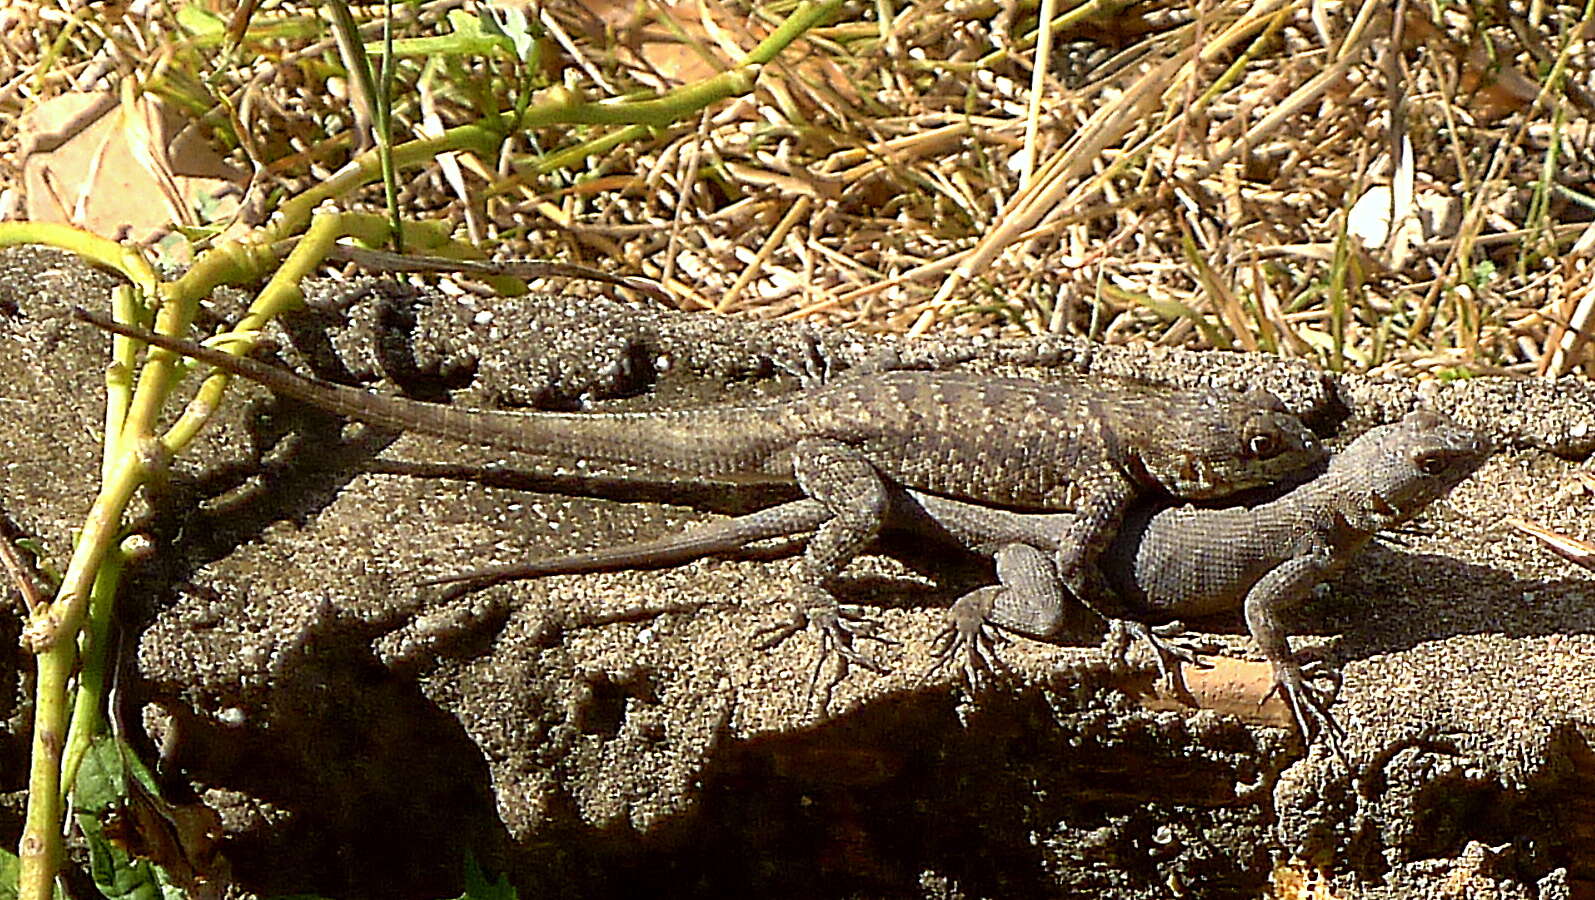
{"points": [[1405, 466], [1231, 445]]}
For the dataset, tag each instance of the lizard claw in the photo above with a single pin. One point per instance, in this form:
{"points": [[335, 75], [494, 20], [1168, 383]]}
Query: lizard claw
{"points": [[1168, 655], [970, 634], [839, 627], [1309, 706]]}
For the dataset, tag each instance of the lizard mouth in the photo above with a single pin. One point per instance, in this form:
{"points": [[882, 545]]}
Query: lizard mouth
{"points": [[1381, 506], [1197, 480]]}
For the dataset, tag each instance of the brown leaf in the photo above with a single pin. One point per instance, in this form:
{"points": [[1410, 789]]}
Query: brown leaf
{"points": [[93, 162]]}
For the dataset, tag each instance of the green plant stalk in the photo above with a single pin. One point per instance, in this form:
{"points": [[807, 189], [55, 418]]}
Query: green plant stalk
{"points": [[51, 631], [295, 28], [1537, 219], [455, 44], [567, 108], [89, 706], [280, 294], [94, 570], [295, 213], [562, 108], [1237, 68], [40, 848], [571, 156], [390, 178], [53, 52], [364, 83], [119, 375], [1338, 305], [100, 251]]}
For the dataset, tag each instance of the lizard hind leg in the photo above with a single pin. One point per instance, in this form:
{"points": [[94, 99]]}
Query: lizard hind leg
{"points": [[858, 498], [1171, 656]]}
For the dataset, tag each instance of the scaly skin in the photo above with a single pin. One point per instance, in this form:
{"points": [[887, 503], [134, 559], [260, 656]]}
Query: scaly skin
{"points": [[1083, 447], [1189, 561], [1170, 562]]}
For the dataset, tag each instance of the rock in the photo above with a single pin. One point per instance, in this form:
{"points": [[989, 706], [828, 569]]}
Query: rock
{"points": [[619, 733]]}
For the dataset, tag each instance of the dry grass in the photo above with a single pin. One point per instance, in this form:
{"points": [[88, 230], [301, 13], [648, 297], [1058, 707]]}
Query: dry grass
{"points": [[1181, 173]]}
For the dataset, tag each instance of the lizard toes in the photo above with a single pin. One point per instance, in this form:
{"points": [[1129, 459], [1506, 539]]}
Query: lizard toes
{"points": [[1309, 706], [858, 624], [839, 632], [971, 636], [771, 636], [974, 647], [1168, 655]]}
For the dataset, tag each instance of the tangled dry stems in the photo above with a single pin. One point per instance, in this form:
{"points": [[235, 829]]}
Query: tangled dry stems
{"points": [[1180, 173]]}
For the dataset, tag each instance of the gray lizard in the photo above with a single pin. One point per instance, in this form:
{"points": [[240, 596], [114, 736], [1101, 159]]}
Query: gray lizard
{"points": [[1085, 447], [1192, 561], [1169, 562]]}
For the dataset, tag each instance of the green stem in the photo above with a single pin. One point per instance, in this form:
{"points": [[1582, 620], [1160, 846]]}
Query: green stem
{"points": [[51, 631], [88, 710], [279, 294], [40, 849], [100, 251], [119, 375]]}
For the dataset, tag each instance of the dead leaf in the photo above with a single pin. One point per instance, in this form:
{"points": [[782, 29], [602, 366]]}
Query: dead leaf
{"points": [[90, 161]]}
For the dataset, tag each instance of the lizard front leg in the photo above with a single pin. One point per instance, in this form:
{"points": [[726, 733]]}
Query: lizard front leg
{"points": [[1031, 597], [1030, 600], [858, 500], [1284, 586], [1081, 542]]}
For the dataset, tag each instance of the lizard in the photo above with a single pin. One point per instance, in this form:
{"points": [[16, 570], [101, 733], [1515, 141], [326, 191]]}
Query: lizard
{"points": [[1088, 448], [1171, 562], [1184, 561]]}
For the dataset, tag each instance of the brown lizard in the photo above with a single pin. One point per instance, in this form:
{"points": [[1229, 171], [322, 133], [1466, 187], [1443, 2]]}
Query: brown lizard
{"points": [[1193, 561], [1085, 447]]}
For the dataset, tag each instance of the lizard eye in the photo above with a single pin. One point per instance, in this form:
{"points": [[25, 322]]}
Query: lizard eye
{"points": [[1261, 446], [1432, 463]]}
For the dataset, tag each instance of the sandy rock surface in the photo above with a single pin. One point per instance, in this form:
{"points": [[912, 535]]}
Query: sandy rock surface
{"points": [[607, 734]]}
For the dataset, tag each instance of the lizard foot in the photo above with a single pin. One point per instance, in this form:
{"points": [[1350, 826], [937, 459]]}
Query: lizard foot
{"points": [[1170, 656], [839, 626], [971, 635], [1309, 705]]}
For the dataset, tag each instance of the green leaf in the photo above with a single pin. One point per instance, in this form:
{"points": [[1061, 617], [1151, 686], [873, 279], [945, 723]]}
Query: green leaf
{"points": [[99, 795], [471, 37], [511, 22], [477, 887], [197, 20]]}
